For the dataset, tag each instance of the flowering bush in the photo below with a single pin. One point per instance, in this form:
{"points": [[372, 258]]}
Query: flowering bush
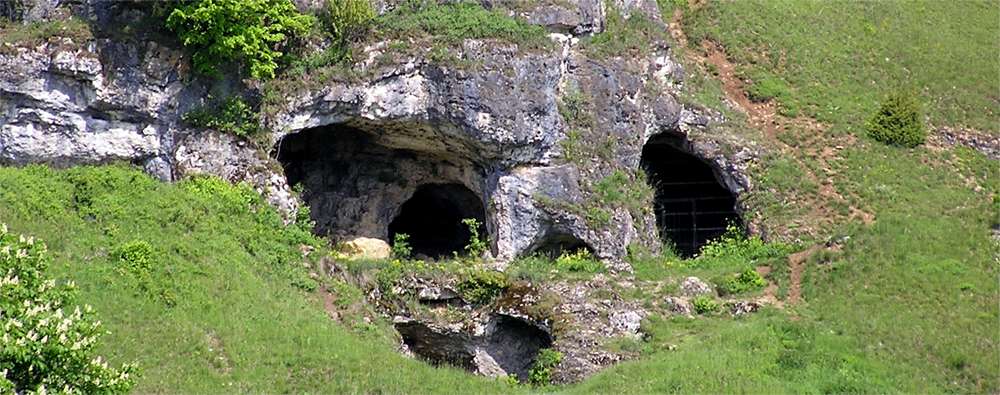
{"points": [[45, 346]]}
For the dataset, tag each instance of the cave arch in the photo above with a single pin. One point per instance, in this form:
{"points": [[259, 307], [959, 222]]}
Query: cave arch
{"points": [[433, 216], [357, 177], [691, 203], [552, 246]]}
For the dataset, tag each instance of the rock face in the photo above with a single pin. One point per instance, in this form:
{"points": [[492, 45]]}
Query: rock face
{"points": [[361, 148]]}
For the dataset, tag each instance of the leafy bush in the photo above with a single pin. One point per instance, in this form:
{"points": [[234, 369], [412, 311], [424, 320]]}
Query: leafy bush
{"points": [[45, 347], [401, 246], [705, 304], [477, 246], [580, 261], [735, 248], [134, 257], [233, 116], [481, 286], [250, 31], [349, 18], [747, 280], [541, 371], [898, 121]]}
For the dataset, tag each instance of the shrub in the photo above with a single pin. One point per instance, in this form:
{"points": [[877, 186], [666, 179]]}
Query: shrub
{"points": [[747, 280], [580, 261], [135, 257], [349, 18], [735, 248], [541, 371], [233, 116], [477, 246], [401, 246], [898, 121], [250, 31], [45, 346], [481, 286], [705, 304]]}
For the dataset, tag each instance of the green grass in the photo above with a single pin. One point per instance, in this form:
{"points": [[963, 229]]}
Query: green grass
{"points": [[242, 318], [840, 58]]}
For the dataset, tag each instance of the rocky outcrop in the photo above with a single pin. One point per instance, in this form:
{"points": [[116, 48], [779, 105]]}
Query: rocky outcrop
{"points": [[490, 122]]}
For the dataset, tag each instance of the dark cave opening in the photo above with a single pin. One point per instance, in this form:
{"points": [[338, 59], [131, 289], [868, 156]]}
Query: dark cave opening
{"points": [[553, 246], [433, 219], [692, 207], [510, 343], [358, 181]]}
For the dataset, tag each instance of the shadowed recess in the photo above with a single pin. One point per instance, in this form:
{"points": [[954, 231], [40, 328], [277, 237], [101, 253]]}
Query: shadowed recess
{"points": [[692, 207], [433, 219]]}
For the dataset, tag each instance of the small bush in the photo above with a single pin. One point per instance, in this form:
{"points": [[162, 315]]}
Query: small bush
{"points": [[735, 248], [250, 31], [349, 19], [580, 261], [233, 116], [481, 286], [898, 121], [477, 246], [47, 344], [401, 246], [135, 257], [705, 304], [745, 281], [541, 371]]}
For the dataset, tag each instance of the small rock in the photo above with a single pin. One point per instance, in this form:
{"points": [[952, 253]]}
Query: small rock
{"points": [[367, 248], [693, 286], [678, 305], [744, 308], [626, 321]]}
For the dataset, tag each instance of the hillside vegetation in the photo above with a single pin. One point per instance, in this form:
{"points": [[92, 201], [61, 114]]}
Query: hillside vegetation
{"points": [[903, 298]]}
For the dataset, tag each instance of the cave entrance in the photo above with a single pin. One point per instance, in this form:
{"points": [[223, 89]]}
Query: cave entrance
{"points": [[692, 207], [433, 219]]}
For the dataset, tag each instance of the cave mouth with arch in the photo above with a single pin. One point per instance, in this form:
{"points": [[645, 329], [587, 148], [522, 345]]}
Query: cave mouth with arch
{"points": [[691, 204], [375, 181]]}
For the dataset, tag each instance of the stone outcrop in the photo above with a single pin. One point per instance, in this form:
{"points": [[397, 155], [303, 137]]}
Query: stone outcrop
{"points": [[495, 128]]}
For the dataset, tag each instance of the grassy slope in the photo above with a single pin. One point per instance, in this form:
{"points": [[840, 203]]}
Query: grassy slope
{"points": [[911, 304], [238, 323]]}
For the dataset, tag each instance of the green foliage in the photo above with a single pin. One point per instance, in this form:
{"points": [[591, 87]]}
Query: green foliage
{"points": [[401, 248], [45, 346], [349, 19], [734, 247], [452, 23], [135, 257], [705, 304], [580, 261], [251, 31], [745, 281], [233, 116], [477, 246], [899, 121], [541, 370], [482, 286]]}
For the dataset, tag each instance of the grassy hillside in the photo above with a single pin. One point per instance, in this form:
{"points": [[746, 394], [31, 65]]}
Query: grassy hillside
{"points": [[226, 306], [908, 303]]}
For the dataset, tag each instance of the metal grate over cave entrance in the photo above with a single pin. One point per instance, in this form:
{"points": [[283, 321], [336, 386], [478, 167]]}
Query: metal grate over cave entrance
{"points": [[692, 207]]}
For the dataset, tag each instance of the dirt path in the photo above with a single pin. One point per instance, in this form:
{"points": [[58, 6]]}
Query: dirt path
{"points": [[796, 265], [764, 116]]}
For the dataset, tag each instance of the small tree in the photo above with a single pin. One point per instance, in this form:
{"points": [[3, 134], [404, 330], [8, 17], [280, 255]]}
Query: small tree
{"points": [[251, 31], [44, 345], [349, 18], [898, 121]]}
